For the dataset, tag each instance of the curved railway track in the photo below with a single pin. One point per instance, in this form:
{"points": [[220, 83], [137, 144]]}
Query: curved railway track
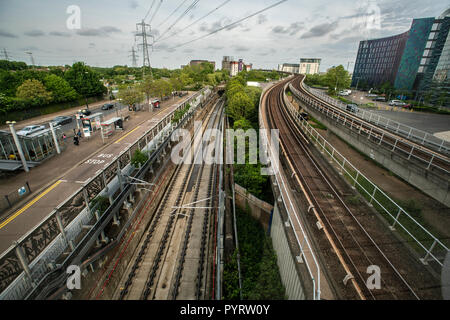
{"points": [[171, 259], [423, 156], [355, 248]]}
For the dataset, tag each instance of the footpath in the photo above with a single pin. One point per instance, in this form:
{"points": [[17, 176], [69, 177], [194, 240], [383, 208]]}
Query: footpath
{"points": [[61, 175]]}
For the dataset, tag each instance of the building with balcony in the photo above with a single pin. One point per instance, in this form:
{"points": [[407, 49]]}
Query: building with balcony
{"points": [[234, 67], [309, 65], [289, 67]]}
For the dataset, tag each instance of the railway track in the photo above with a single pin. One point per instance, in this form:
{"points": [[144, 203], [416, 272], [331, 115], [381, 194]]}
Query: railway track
{"points": [[170, 261], [427, 158], [353, 246]]}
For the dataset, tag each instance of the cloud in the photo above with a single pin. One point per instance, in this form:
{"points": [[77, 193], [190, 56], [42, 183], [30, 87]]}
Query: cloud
{"points": [[320, 30], [133, 4], [293, 29], [7, 34], [262, 19], [240, 48], [60, 34], [98, 32], [215, 48], [34, 33]]}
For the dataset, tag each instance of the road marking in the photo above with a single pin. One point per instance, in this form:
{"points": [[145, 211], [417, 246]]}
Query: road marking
{"points": [[29, 204], [127, 134]]}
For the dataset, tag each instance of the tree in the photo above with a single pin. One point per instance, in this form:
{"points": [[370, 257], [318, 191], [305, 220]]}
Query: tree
{"points": [[84, 80], [60, 88], [130, 96], [147, 87], [337, 78], [162, 88], [240, 106], [34, 92]]}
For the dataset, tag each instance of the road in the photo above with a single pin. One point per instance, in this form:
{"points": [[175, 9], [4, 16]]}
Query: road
{"points": [[24, 219]]}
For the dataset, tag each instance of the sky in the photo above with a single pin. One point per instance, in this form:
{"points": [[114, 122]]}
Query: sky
{"points": [[293, 29]]}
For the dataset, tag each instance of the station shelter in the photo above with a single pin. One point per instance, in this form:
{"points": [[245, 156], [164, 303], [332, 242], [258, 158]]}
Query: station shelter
{"points": [[36, 147], [92, 122], [109, 126]]}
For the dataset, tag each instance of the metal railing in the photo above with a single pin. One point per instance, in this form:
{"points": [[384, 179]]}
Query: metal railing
{"points": [[19, 262], [390, 142], [419, 136], [7, 201], [376, 197], [288, 203]]}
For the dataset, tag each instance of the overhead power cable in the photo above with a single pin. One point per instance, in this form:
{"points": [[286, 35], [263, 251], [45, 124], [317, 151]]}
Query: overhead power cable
{"points": [[156, 10], [229, 25], [191, 6], [196, 21], [148, 12], [173, 12]]}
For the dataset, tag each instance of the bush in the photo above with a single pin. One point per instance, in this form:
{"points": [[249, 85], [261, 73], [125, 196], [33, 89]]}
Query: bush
{"points": [[139, 157]]}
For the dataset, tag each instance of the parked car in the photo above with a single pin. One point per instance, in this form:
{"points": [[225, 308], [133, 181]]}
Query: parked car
{"points": [[407, 106], [30, 129], [397, 103], [60, 120], [379, 98], [85, 112], [107, 106], [352, 107], [371, 95], [345, 92]]}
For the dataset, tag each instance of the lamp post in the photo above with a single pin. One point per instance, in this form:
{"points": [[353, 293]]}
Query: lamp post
{"points": [[18, 145]]}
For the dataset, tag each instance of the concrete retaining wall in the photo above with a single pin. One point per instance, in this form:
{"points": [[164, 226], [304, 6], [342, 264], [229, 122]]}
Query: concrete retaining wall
{"points": [[260, 210]]}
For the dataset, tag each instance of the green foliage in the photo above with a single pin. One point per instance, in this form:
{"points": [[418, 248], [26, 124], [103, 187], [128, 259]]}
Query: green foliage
{"points": [[34, 92], [177, 115], [139, 157], [260, 276], [60, 88], [130, 96], [12, 65], [84, 80], [101, 202], [335, 78]]}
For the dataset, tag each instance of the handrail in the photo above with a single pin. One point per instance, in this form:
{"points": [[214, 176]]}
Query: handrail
{"points": [[346, 119], [12, 265], [357, 176], [290, 208], [423, 138]]}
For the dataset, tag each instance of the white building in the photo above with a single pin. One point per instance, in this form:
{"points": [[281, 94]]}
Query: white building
{"points": [[309, 66], [289, 67], [234, 68]]}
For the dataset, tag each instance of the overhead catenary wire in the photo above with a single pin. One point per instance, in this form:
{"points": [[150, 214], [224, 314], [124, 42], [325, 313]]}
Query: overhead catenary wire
{"points": [[228, 25], [196, 21]]}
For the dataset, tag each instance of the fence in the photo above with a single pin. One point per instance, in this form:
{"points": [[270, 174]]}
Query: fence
{"points": [[410, 228], [313, 268], [422, 137], [37, 241], [8, 200], [430, 160]]}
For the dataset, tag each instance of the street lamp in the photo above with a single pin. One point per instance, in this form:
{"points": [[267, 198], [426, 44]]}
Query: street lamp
{"points": [[18, 145]]}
